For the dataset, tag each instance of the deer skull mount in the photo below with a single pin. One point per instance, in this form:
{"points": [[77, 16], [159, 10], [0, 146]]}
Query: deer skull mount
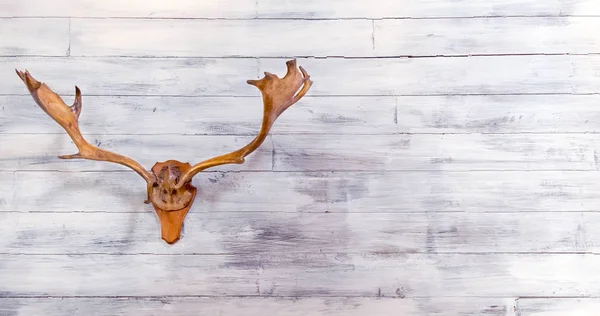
{"points": [[169, 183]]}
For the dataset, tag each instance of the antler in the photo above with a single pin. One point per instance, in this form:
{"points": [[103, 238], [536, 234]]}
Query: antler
{"points": [[67, 117], [278, 95]]}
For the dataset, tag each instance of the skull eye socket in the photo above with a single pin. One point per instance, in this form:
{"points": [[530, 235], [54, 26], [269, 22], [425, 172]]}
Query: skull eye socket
{"points": [[174, 192], [155, 185], [164, 191]]}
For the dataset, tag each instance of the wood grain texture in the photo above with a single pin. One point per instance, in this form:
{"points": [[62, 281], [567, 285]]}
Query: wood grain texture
{"points": [[345, 192], [499, 114], [133, 8], [209, 38], [131, 76], [421, 9], [332, 76], [564, 35], [256, 306], [40, 152], [309, 274], [442, 76], [464, 152], [318, 115], [557, 307], [22, 37], [217, 116], [213, 231]]}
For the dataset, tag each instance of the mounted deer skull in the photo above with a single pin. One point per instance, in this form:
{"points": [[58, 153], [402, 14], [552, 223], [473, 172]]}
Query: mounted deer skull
{"points": [[169, 184]]}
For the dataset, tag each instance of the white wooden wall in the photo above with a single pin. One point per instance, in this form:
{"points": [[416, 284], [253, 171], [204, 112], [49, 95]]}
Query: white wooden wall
{"points": [[445, 162]]}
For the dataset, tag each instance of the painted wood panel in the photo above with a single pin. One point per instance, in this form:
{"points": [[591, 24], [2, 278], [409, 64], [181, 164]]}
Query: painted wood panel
{"points": [[131, 8], [211, 231], [317, 115], [40, 152], [221, 38], [564, 35], [209, 116], [436, 152], [346, 192], [332, 76], [308, 9], [22, 37], [441, 76], [499, 114], [308, 274], [557, 307], [132, 76], [256, 306]]}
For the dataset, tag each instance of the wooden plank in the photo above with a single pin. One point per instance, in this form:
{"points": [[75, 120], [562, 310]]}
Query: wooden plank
{"points": [[132, 8], [421, 9], [216, 116], [256, 306], [443, 75], [246, 38], [557, 306], [132, 76], [40, 152], [211, 231], [332, 76], [317, 115], [21, 37], [346, 192], [486, 36], [463, 152], [498, 114], [309, 274]]}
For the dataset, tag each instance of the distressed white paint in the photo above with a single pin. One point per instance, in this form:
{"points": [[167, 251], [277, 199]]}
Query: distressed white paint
{"points": [[504, 206], [257, 306], [22, 37], [40, 152], [215, 116], [557, 307], [208, 38], [307, 274], [214, 231], [423, 9], [335, 76], [499, 114], [486, 36], [131, 8], [355, 192], [464, 152]]}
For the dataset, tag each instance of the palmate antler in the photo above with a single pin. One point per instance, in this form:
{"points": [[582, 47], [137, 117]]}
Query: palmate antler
{"points": [[169, 185]]}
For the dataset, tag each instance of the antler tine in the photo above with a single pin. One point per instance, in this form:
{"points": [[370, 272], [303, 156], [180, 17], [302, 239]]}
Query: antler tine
{"points": [[278, 95], [68, 117]]}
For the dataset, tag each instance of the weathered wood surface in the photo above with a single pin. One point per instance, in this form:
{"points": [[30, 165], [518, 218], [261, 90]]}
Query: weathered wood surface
{"points": [[312, 9], [422, 9], [212, 231], [282, 38], [40, 152], [447, 184], [557, 307], [335, 76], [256, 306], [356, 192], [437, 152], [208, 38], [221, 116], [486, 36], [317, 115], [453, 152], [22, 37], [309, 274], [132, 8]]}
